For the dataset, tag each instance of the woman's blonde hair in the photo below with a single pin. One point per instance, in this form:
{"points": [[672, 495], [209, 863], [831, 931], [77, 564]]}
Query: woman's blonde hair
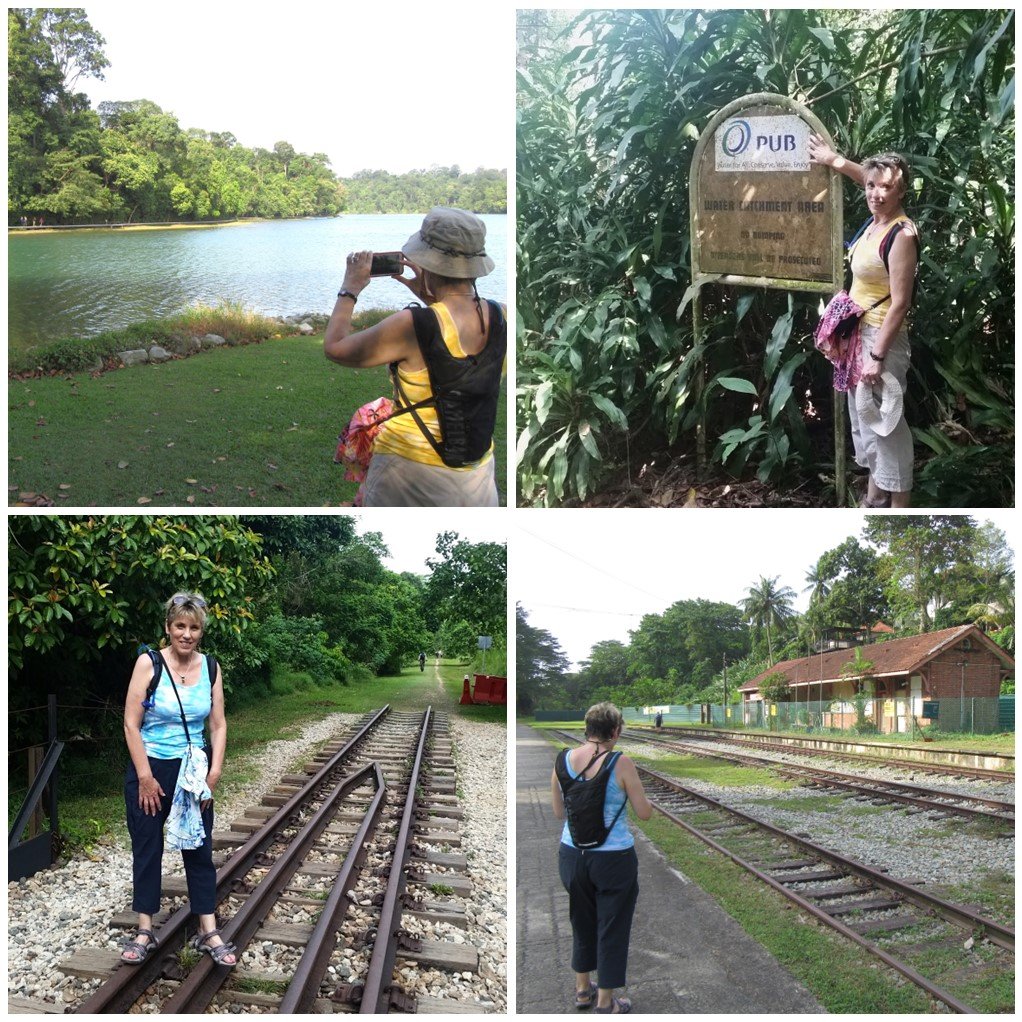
{"points": [[892, 162], [191, 604], [602, 720]]}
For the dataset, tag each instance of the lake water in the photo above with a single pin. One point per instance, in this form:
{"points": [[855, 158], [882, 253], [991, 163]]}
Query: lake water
{"points": [[79, 283]]}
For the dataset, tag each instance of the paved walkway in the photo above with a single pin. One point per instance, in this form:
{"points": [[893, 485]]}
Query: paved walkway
{"points": [[687, 954]]}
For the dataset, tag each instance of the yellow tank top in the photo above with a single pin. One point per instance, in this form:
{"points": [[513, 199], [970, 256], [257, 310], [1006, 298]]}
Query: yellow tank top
{"points": [[401, 435], [870, 280]]}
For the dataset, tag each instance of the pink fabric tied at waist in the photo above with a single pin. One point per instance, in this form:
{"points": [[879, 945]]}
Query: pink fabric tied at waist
{"points": [[355, 444], [837, 338]]}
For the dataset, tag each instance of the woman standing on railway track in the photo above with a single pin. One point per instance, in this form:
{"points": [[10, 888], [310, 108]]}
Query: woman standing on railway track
{"points": [[172, 774], [590, 788]]}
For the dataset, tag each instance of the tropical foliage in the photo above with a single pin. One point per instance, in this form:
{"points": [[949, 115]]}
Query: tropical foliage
{"points": [[957, 571], [608, 115], [378, 191], [132, 161], [293, 601]]}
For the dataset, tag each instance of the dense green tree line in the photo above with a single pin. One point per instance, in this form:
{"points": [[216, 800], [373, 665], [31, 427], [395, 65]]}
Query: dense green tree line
{"points": [[132, 161], [378, 191], [609, 112], [293, 602], [915, 573]]}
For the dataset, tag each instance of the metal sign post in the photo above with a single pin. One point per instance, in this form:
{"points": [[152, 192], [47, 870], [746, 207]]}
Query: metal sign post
{"points": [[763, 216]]}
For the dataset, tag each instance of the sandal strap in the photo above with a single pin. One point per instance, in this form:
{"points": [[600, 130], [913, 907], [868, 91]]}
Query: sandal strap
{"points": [[201, 938], [148, 933], [223, 950]]}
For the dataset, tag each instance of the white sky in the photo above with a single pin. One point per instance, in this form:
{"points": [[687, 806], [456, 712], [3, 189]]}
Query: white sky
{"points": [[386, 86], [588, 575], [410, 535]]}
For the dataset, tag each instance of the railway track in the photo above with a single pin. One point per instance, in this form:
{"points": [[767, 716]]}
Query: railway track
{"points": [[799, 746], [896, 921], [335, 890], [880, 791]]}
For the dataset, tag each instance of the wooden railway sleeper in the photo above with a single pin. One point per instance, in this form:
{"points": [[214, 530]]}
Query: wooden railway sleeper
{"points": [[402, 1001]]}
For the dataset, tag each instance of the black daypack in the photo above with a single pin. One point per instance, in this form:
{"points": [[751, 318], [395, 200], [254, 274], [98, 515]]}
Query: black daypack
{"points": [[584, 800], [465, 390]]}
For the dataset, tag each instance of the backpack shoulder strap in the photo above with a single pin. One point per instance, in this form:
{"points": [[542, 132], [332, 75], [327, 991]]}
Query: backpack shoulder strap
{"points": [[157, 662], [858, 234], [211, 668], [888, 243]]}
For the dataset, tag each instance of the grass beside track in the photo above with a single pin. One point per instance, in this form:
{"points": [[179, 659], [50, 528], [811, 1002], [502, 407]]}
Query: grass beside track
{"points": [[88, 818], [249, 426]]}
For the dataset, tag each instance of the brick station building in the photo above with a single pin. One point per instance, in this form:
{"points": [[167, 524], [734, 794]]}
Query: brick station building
{"points": [[954, 663]]}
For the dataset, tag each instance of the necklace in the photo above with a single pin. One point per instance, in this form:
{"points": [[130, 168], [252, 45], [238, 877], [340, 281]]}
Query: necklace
{"points": [[184, 671]]}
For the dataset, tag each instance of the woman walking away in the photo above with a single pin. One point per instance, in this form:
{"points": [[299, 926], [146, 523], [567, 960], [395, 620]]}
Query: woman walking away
{"points": [[883, 260], [590, 788], [172, 775], [446, 364]]}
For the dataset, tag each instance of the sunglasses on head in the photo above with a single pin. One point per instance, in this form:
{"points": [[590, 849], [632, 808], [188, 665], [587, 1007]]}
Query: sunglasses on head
{"points": [[194, 601]]}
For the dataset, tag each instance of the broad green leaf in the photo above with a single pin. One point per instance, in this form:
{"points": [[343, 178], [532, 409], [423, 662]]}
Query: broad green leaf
{"points": [[737, 384]]}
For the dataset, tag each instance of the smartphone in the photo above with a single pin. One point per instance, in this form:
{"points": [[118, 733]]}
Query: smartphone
{"points": [[385, 264]]}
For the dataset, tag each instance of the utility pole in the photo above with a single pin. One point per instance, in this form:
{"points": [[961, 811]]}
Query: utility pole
{"points": [[725, 689]]}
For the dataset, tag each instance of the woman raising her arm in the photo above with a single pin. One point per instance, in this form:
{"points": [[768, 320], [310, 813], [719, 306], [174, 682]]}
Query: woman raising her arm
{"points": [[883, 288]]}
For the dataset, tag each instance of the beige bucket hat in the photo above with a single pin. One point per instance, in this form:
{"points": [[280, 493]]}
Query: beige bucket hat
{"points": [[880, 408], [451, 242]]}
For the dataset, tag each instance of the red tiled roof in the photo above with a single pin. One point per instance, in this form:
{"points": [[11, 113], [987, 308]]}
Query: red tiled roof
{"points": [[897, 656]]}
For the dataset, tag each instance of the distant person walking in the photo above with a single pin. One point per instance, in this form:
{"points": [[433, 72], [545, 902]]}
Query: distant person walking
{"points": [[658, 720], [422, 661], [883, 260], [590, 788]]}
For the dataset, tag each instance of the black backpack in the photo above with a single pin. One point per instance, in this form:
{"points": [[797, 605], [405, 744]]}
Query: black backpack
{"points": [[465, 390], [584, 799]]}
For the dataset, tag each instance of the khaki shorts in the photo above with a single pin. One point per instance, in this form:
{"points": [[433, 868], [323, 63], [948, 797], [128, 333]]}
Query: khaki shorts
{"points": [[393, 481]]}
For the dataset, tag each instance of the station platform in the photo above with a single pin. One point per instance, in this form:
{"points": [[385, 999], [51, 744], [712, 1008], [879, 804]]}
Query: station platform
{"points": [[687, 954]]}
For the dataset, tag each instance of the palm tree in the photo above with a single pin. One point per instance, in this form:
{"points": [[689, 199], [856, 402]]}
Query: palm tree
{"points": [[768, 605], [819, 582]]}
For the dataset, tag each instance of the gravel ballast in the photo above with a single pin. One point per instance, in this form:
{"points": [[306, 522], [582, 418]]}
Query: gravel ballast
{"points": [[70, 905]]}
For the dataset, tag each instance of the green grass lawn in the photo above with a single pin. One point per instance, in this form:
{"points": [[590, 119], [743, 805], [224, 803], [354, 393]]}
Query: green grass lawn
{"points": [[250, 426]]}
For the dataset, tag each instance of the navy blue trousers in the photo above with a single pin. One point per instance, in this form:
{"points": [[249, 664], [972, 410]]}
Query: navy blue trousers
{"points": [[602, 890], [147, 845]]}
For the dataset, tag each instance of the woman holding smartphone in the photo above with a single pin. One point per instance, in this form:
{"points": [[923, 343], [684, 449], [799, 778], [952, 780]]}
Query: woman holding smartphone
{"points": [[446, 364]]}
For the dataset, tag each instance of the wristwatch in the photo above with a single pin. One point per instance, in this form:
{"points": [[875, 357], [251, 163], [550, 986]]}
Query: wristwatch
{"points": [[345, 293]]}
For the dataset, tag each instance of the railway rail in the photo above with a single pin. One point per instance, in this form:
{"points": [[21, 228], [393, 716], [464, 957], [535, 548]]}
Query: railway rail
{"points": [[924, 760], [322, 885], [887, 791], [876, 911]]}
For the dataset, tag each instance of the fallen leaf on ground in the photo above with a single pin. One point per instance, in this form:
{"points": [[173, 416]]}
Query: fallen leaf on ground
{"points": [[271, 466], [144, 500], [191, 482], [65, 486], [122, 464], [190, 499], [171, 444]]}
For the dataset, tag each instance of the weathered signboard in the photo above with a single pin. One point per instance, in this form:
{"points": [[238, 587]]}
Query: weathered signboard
{"points": [[761, 213]]}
